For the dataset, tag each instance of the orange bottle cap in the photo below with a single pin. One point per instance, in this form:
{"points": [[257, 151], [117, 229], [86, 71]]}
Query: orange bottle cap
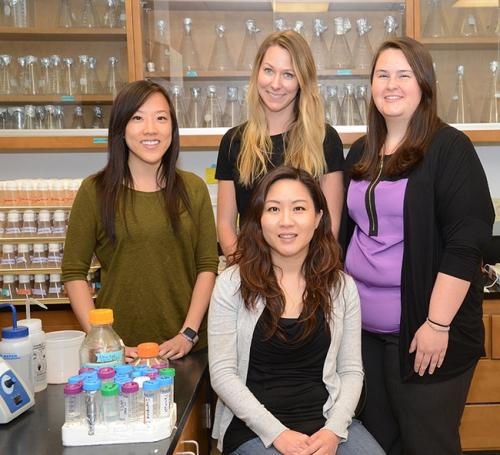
{"points": [[101, 316], [148, 350]]}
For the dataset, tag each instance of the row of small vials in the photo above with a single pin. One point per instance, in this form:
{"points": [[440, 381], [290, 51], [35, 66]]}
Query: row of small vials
{"points": [[38, 192], [31, 224]]}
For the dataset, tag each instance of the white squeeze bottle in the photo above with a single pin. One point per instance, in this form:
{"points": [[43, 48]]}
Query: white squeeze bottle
{"points": [[39, 344], [102, 346]]}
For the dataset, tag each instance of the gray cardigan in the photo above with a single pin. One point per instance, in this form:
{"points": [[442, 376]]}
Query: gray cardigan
{"points": [[230, 331]]}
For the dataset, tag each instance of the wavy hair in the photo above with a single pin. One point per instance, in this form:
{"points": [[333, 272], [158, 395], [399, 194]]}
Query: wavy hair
{"points": [[305, 136], [115, 181], [423, 123], [321, 268]]}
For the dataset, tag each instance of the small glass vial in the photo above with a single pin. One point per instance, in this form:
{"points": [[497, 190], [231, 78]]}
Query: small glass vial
{"points": [[9, 288], [40, 286], [151, 392], [130, 393], [109, 402], [73, 404], [54, 255], [28, 227], [39, 258], [23, 288], [23, 259], [8, 260], [13, 225], [166, 394], [55, 286], [44, 227], [106, 374]]}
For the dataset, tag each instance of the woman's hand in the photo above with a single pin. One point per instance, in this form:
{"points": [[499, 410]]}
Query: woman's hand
{"points": [[323, 442], [130, 353], [430, 346], [176, 347], [291, 442]]}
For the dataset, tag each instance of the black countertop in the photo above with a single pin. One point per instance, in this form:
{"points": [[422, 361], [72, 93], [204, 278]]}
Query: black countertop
{"points": [[38, 430]]}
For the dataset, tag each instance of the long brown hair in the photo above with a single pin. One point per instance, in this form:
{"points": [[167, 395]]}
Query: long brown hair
{"points": [[423, 123], [115, 180], [306, 133], [321, 267]]}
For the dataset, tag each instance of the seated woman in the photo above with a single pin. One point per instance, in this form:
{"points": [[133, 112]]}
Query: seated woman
{"points": [[284, 331]]}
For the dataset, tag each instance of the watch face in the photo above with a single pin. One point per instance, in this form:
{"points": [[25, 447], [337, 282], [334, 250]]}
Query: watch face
{"points": [[190, 333]]}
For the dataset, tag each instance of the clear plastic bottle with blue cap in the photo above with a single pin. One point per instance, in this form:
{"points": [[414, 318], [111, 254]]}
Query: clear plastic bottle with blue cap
{"points": [[17, 350], [166, 393]]}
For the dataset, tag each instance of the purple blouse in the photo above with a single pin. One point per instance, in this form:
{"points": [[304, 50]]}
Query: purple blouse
{"points": [[375, 261]]}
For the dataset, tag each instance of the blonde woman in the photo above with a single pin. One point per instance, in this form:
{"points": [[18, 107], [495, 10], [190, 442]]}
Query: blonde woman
{"points": [[285, 126]]}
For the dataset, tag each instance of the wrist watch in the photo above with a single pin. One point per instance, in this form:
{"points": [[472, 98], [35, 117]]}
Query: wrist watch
{"points": [[190, 334]]}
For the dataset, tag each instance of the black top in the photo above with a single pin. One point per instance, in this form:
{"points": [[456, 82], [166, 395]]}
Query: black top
{"points": [[229, 150], [287, 378], [448, 218]]}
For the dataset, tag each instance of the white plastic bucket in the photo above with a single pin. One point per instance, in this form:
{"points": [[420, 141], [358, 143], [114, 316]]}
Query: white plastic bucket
{"points": [[63, 358]]}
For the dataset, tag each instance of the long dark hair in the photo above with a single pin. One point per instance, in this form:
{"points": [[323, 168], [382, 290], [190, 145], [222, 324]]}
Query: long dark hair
{"points": [[115, 180], [321, 267], [423, 123]]}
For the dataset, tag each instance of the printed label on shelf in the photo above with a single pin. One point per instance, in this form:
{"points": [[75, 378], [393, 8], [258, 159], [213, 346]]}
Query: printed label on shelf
{"points": [[67, 98], [100, 140], [344, 72]]}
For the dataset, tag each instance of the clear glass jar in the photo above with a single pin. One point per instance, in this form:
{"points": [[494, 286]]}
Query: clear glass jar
{"points": [[28, 227], [148, 354]]}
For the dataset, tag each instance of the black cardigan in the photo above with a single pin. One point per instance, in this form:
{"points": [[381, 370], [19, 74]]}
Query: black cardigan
{"points": [[448, 218]]}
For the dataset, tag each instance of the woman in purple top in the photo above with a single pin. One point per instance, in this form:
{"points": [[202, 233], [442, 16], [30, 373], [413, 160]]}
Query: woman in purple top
{"points": [[418, 216]]}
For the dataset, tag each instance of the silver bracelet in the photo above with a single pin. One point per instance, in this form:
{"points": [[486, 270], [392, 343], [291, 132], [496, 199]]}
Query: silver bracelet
{"points": [[437, 328]]}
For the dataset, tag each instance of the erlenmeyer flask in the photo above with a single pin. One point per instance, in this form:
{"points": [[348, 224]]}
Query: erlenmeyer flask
{"points": [[221, 58], [280, 24], [439, 96], [97, 117], [244, 105], [332, 105], [111, 14], [349, 109], [390, 28], [160, 56], [318, 45], [21, 75], [190, 60], [195, 110], [4, 118], [56, 75], [491, 107], [460, 107], [435, 26], [5, 74], [232, 112], [212, 115], [40, 118], [299, 27], [59, 117], [49, 117], [83, 78], [78, 121], [362, 52], [113, 80], [88, 16], [178, 106], [468, 23], [94, 84], [32, 76], [362, 100], [249, 47], [340, 52], [68, 79], [45, 87], [65, 16], [29, 117]]}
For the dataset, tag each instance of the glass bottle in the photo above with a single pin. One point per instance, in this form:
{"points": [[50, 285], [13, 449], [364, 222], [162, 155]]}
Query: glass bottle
{"points": [[491, 107], [361, 96], [39, 257], [190, 60], [5, 74], [78, 122], [93, 80], [299, 27], [8, 260], [54, 255], [362, 52], [13, 225], [19, 13], [40, 286], [65, 16], [101, 339], [460, 108], [212, 115], [59, 222], [23, 288], [249, 47], [23, 260], [55, 286], [16, 117], [332, 105], [68, 78], [97, 117], [390, 28], [220, 59], [111, 14], [435, 25], [9, 288], [148, 354], [43, 226], [113, 81], [349, 109], [178, 106], [160, 55], [341, 57], [88, 16], [232, 112], [56, 75], [195, 109], [83, 85], [318, 45], [468, 23], [28, 228]]}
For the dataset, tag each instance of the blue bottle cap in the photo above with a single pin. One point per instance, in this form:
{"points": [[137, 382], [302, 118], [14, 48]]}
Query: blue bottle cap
{"points": [[91, 385], [90, 375], [15, 332], [76, 379], [165, 380], [121, 379], [123, 369], [150, 385]]}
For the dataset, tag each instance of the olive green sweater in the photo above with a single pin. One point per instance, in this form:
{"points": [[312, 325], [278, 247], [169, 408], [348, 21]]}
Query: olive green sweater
{"points": [[148, 275]]}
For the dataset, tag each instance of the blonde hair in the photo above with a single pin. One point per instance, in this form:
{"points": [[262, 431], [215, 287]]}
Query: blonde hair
{"points": [[306, 134]]}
